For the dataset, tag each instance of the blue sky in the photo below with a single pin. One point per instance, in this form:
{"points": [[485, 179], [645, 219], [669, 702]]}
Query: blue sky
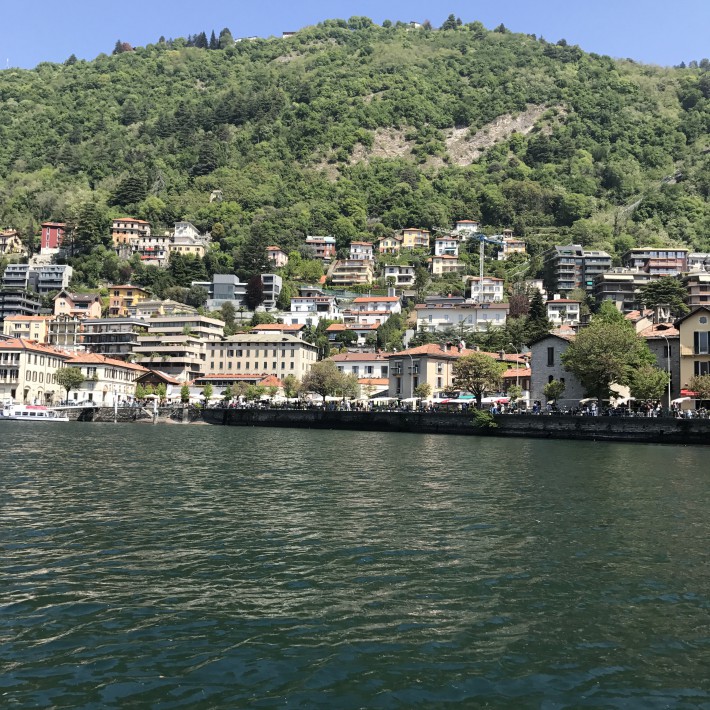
{"points": [[653, 31]]}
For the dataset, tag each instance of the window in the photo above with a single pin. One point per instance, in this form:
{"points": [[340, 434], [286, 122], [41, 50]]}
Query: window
{"points": [[438, 383], [702, 368], [701, 339], [551, 357]]}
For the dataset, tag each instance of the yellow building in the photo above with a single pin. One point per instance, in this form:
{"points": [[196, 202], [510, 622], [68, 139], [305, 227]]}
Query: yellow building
{"points": [[413, 238], [27, 327], [124, 297], [694, 334], [389, 245]]}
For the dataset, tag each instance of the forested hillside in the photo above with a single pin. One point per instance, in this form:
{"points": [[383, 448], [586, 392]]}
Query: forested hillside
{"points": [[357, 130]]}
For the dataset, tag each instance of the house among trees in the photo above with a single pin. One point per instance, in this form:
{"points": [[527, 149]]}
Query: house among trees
{"points": [[52, 237], [277, 257], [10, 243]]}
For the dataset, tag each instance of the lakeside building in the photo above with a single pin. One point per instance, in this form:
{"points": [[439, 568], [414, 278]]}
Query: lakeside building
{"points": [[622, 286], [432, 364], [277, 354], [106, 380], [28, 372], [694, 338], [40, 279], [113, 337], [66, 332], [373, 365], [663, 340], [177, 345], [546, 366]]}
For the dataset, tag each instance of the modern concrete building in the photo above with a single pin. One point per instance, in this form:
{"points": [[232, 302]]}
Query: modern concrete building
{"points": [[572, 266], [404, 276], [490, 291], [564, 311], [18, 302], [671, 261], [177, 345], [698, 286], [113, 337], [272, 285]]}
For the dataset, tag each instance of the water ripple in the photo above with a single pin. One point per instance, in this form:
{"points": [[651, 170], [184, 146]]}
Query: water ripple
{"points": [[182, 566]]}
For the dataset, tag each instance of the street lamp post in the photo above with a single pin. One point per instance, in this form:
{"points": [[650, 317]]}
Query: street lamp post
{"points": [[668, 367]]}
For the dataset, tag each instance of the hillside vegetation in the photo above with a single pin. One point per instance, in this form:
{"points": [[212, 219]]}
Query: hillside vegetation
{"points": [[357, 130]]}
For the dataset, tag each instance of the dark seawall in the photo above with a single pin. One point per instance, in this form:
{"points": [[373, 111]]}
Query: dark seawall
{"points": [[632, 429]]}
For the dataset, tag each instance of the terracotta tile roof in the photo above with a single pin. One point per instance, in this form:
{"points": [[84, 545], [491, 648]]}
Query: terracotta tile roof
{"points": [[14, 319], [271, 381], [376, 381], [336, 327], [357, 357], [32, 346], [131, 219], [660, 330], [452, 352], [273, 249], [515, 372], [96, 359]]}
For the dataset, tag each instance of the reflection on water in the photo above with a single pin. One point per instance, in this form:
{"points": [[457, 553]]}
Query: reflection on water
{"points": [[180, 566]]}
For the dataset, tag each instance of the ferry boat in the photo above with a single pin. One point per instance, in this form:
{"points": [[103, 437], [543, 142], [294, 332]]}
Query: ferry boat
{"points": [[31, 413]]}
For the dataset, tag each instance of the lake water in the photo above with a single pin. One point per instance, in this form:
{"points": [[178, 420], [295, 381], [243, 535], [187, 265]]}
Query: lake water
{"points": [[203, 567]]}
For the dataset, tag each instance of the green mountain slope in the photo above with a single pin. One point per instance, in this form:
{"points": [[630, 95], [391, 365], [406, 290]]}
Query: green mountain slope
{"points": [[358, 130]]}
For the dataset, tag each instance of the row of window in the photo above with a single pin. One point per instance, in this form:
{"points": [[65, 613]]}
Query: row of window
{"points": [[247, 366]]}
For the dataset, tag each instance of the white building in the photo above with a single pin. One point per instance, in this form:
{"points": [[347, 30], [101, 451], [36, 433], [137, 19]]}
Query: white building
{"points": [[310, 306], [446, 246], [564, 311], [368, 310], [361, 251], [402, 275], [106, 381], [490, 292], [475, 316]]}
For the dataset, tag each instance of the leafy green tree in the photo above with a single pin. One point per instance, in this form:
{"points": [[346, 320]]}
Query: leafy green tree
{"points": [[701, 385], [184, 394], [515, 392], [291, 386], [422, 390], [162, 391], [648, 383], [554, 390], [207, 392], [666, 291], [261, 318], [323, 378], [477, 373], [605, 353], [197, 296], [70, 378], [140, 391]]}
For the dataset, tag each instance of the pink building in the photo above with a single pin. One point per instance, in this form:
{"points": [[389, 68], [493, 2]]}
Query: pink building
{"points": [[277, 256]]}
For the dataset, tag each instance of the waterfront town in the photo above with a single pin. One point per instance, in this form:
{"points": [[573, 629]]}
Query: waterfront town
{"points": [[370, 328]]}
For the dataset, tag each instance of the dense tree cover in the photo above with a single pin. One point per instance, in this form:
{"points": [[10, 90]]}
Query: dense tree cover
{"points": [[617, 160], [478, 373]]}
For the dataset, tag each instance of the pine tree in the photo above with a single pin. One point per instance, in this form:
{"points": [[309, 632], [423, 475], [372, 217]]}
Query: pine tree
{"points": [[214, 42]]}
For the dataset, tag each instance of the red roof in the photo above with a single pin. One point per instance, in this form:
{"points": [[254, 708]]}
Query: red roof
{"points": [[31, 345], [96, 359], [279, 327], [357, 357]]}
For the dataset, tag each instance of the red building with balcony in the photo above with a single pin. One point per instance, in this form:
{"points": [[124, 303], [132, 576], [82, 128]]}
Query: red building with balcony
{"points": [[52, 236]]}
